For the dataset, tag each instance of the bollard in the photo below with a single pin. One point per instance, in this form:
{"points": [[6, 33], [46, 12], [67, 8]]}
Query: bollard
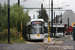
{"points": [[21, 30], [48, 31]]}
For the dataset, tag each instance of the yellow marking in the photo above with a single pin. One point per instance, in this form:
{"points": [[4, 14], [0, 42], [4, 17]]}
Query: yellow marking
{"points": [[37, 35], [48, 39], [21, 30], [21, 24], [21, 37], [48, 31]]}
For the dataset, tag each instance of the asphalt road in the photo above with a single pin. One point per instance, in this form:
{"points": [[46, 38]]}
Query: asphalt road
{"points": [[22, 46], [35, 46]]}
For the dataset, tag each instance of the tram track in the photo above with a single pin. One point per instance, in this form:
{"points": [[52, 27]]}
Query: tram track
{"points": [[42, 44], [47, 46], [54, 46]]}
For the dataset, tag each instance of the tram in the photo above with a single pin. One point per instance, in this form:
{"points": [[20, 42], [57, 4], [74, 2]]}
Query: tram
{"points": [[58, 30], [35, 29]]}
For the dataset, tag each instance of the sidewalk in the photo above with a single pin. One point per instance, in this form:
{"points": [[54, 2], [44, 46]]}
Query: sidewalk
{"points": [[70, 42], [52, 41]]}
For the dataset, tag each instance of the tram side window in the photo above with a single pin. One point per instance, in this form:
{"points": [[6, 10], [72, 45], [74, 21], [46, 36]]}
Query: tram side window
{"points": [[60, 29], [28, 29], [31, 30], [42, 29], [46, 29], [54, 29]]}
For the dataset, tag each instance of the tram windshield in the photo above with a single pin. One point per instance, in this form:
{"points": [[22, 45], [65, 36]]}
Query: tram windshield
{"points": [[37, 28], [61, 29]]}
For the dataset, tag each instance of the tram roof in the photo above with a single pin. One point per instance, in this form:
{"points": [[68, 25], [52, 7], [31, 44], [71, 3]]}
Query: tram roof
{"points": [[37, 20]]}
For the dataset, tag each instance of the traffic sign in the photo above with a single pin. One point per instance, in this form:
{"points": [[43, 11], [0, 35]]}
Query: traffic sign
{"points": [[70, 30]]}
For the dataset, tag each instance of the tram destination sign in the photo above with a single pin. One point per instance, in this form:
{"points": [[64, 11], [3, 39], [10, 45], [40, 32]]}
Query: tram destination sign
{"points": [[37, 22]]}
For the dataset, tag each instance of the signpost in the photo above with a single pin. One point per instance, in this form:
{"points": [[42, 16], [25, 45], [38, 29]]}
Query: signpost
{"points": [[70, 29]]}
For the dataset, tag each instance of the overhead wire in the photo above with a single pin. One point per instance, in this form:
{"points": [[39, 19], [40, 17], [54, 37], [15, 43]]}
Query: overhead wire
{"points": [[47, 5], [39, 3], [58, 6], [33, 2], [59, 11]]}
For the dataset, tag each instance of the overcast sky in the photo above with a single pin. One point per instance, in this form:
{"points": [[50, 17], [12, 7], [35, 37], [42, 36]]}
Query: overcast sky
{"points": [[37, 3]]}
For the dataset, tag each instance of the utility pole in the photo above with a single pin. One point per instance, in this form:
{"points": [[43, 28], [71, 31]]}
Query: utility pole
{"points": [[8, 21], [41, 10], [18, 2], [56, 25], [21, 21], [54, 22], [51, 18], [61, 19], [68, 24], [54, 16]]}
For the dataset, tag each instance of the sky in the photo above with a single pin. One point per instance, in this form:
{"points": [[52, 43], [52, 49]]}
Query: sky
{"points": [[37, 3]]}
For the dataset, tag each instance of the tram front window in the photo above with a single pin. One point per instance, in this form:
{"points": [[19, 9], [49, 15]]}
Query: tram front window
{"points": [[60, 29], [37, 29]]}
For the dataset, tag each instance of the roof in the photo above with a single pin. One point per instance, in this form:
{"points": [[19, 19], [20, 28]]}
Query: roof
{"points": [[68, 14]]}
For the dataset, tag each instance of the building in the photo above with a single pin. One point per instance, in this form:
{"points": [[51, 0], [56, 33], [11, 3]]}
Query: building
{"points": [[68, 14]]}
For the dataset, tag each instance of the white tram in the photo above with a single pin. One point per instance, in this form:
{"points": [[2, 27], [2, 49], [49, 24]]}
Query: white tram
{"points": [[35, 29], [58, 30]]}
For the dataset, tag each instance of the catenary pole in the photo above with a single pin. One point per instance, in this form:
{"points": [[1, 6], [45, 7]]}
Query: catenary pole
{"points": [[8, 21], [54, 22], [41, 10], [51, 18], [18, 2]]}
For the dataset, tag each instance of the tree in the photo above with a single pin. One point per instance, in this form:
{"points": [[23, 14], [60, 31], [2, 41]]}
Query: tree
{"points": [[17, 14], [3, 16], [45, 15]]}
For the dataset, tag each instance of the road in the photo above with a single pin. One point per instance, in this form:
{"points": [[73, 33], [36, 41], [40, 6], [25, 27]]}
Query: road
{"points": [[16, 46], [39, 45]]}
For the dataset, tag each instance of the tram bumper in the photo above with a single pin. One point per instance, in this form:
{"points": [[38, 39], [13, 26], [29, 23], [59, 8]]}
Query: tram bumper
{"points": [[37, 38], [59, 35]]}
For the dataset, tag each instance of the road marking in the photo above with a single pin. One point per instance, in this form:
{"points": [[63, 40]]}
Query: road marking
{"points": [[64, 47]]}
